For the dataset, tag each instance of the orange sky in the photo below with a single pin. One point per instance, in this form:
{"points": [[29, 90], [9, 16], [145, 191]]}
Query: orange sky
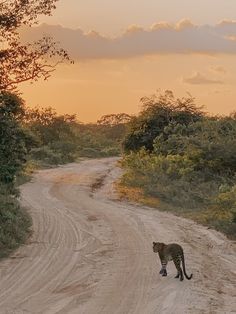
{"points": [[111, 75]]}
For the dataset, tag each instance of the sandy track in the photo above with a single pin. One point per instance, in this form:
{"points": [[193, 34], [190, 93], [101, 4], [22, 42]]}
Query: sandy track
{"points": [[92, 254]]}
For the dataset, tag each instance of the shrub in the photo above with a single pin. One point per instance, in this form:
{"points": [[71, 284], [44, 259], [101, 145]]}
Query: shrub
{"points": [[90, 152], [46, 155], [14, 223]]}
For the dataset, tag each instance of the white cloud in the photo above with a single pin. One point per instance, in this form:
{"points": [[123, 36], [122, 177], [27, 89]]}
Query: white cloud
{"points": [[161, 26], [161, 37], [218, 69], [183, 24], [226, 22], [132, 29], [200, 79]]}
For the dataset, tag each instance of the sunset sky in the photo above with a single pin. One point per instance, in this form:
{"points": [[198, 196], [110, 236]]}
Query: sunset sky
{"points": [[127, 49]]}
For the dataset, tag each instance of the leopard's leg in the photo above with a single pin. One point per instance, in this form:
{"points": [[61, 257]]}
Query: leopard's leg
{"points": [[176, 261], [163, 270]]}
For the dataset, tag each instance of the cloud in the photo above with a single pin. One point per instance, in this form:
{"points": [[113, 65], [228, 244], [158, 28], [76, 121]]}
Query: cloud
{"points": [[160, 38], [218, 69], [226, 23], [132, 29], [161, 26], [184, 24], [200, 79], [231, 37], [181, 25]]}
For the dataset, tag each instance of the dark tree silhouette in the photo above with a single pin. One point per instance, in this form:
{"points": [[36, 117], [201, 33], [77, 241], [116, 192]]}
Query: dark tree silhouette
{"points": [[18, 62], [114, 119], [158, 112]]}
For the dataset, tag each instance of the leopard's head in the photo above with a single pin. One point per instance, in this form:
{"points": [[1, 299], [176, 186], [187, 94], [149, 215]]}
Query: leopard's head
{"points": [[157, 247]]}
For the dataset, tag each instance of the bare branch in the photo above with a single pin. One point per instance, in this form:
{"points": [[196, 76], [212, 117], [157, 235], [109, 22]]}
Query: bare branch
{"points": [[20, 63]]}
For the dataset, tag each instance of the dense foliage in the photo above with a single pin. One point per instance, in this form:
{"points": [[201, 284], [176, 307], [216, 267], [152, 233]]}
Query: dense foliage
{"points": [[62, 138], [56, 136], [14, 222], [19, 63], [15, 141], [15, 144], [159, 111], [188, 162]]}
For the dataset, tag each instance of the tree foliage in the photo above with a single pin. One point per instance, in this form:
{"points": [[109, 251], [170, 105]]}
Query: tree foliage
{"points": [[114, 126], [158, 112], [15, 13], [15, 141], [56, 134], [48, 125], [18, 62], [187, 159], [114, 119]]}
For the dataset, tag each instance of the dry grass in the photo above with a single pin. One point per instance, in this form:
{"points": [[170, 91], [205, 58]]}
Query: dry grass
{"points": [[211, 217], [135, 194]]}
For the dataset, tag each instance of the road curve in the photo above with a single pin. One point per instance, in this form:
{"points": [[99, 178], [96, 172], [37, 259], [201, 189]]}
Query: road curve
{"points": [[92, 254]]}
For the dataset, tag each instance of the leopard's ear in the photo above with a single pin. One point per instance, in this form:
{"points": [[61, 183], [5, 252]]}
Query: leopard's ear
{"points": [[153, 243]]}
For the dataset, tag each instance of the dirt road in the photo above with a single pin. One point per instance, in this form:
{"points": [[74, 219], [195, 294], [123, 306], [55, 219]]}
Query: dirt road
{"points": [[92, 254]]}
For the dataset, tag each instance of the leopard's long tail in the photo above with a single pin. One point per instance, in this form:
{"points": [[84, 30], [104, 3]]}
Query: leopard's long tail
{"points": [[185, 274]]}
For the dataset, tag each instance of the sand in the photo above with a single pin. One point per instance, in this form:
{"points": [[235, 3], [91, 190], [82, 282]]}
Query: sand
{"points": [[91, 253]]}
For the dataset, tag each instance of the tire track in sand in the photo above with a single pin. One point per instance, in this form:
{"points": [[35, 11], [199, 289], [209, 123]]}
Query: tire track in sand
{"points": [[90, 254]]}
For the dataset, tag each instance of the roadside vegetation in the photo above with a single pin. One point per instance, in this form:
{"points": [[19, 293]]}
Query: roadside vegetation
{"points": [[15, 143], [181, 159], [37, 138], [19, 63], [62, 138]]}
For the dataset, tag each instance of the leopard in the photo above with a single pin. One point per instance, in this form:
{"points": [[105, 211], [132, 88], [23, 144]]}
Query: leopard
{"points": [[171, 252]]}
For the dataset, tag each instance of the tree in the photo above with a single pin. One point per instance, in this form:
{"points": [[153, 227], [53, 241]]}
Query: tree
{"points": [[113, 126], [48, 125], [15, 141], [158, 112], [57, 134], [18, 62], [114, 119]]}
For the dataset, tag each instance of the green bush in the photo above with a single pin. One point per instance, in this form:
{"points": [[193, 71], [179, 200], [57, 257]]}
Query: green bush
{"points": [[171, 178], [110, 151], [14, 223], [90, 153], [186, 159], [226, 201], [66, 149], [158, 112], [46, 155], [15, 141]]}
